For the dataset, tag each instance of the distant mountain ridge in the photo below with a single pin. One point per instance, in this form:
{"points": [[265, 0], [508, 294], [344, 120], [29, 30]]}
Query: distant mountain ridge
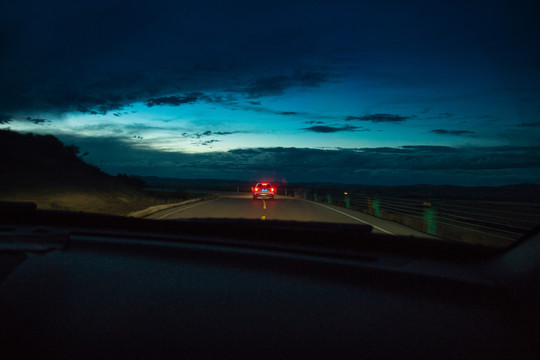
{"points": [[513, 192]]}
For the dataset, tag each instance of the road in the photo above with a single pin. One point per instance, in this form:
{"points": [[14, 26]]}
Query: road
{"points": [[239, 205]]}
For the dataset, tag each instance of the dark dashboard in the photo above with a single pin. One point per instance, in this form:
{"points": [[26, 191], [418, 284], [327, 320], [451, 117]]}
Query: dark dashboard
{"points": [[78, 286]]}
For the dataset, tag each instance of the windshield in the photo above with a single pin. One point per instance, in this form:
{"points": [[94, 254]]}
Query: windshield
{"points": [[417, 118]]}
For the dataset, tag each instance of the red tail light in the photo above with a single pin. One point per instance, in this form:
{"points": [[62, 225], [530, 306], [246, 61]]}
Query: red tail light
{"points": [[256, 189], [272, 189]]}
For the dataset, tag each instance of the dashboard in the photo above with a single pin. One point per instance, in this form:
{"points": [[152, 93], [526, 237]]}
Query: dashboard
{"points": [[76, 285]]}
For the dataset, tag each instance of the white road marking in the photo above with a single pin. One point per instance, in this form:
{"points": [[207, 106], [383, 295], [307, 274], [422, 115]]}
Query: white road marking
{"points": [[185, 208], [355, 218]]}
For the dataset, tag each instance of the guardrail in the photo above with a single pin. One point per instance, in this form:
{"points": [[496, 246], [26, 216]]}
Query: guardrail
{"points": [[495, 223]]}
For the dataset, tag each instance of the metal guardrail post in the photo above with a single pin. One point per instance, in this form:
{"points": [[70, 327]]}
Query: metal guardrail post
{"points": [[329, 198], [315, 196]]}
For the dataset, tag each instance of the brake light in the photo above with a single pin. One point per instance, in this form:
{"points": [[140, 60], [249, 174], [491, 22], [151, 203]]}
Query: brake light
{"points": [[256, 189], [264, 184], [272, 189]]}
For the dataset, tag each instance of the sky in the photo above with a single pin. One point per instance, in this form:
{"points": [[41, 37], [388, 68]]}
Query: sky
{"points": [[379, 92]]}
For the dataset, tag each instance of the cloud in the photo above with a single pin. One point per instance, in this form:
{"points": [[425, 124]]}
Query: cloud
{"points": [[379, 118], [530, 124], [245, 151], [384, 165], [174, 100], [332, 129], [452, 132], [208, 142], [277, 84], [254, 102], [209, 133], [225, 132], [5, 119], [36, 121], [287, 113], [445, 115]]}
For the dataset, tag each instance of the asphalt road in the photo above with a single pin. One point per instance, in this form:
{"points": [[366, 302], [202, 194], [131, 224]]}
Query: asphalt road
{"points": [[282, 208]]}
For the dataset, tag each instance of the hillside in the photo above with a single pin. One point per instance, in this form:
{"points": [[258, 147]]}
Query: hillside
{"points": [[41, 169]]}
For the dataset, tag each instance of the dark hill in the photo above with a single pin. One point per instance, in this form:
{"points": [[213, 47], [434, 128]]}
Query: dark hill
{"points": [[41, 169], [31, 163]]}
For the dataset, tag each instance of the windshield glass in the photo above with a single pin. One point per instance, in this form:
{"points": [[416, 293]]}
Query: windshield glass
{"points": [[417, 118]]}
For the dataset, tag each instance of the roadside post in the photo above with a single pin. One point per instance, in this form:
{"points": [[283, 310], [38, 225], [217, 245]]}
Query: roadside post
{"points": [[429, 218], [376, 207], [347, 200]]}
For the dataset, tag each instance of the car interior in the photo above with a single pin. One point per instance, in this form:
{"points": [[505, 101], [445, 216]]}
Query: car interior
{"points": [[78, 285]]}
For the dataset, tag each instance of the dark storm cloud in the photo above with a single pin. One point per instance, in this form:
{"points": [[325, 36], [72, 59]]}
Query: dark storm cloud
{"points": [[385, 165], [406, 158], [442, 116], [332, 129], [36, 121], [531, 124], [269, 85], [5, 119], [99, 56], [191, 98], [418, 148], [102, 56], [452, 132], [379, 118], [277, 84], [174, 100], [245, 151]]}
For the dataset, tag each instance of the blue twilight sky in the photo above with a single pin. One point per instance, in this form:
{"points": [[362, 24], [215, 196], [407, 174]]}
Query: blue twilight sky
{"points": [[374, 92]]}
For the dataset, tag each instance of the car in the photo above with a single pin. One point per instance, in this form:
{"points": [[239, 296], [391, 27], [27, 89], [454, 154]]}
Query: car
{"points": [[264, 190]]}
